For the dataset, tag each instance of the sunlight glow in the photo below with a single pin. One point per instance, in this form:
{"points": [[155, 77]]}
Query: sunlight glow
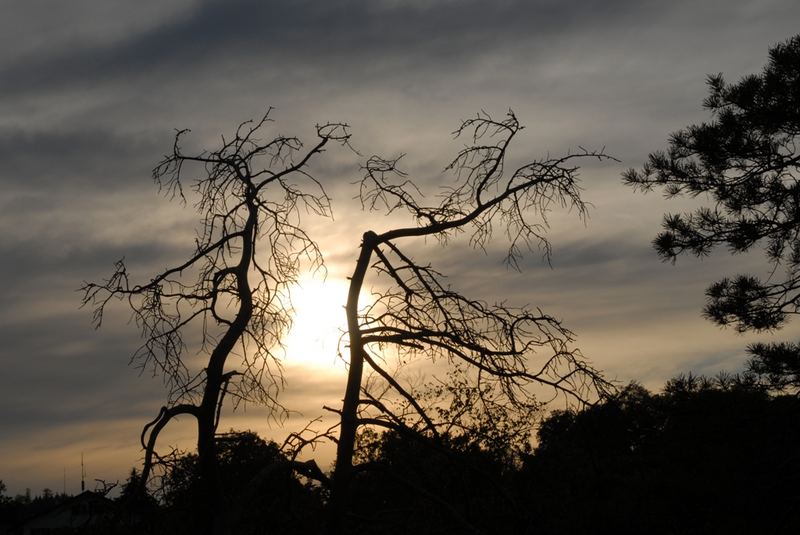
{"points": [[318, 323]]}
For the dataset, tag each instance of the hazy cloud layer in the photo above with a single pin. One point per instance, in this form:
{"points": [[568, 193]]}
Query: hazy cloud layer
{"points": [[91, 92]]}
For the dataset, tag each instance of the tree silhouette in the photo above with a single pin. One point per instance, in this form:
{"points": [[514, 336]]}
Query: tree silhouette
{"points": [[706, 455], [421, 484], [257, 479], [777, 365], [249, 194], [499, 350], [745, 160]]}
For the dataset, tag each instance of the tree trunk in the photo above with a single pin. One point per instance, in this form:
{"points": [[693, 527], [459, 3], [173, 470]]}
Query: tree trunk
{"points": [[212, 505], [214, 508], [341, 482]]}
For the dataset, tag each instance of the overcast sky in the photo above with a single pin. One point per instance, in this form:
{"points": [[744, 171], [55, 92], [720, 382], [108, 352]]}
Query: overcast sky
{"points": [[92, 90]]}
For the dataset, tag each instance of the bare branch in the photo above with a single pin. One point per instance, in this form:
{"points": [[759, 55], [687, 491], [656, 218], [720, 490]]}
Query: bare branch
{"points": [[251, 197], [505, 352]]}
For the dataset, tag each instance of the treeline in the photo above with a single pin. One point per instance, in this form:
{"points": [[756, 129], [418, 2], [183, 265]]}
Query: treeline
{"points": [[14, 510], [706, 455], [717, 455]]}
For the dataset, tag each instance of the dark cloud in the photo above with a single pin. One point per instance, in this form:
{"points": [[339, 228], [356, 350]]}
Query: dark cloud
{"points": [[64, 372], [353, 32], [77, 260], [56, 160]]}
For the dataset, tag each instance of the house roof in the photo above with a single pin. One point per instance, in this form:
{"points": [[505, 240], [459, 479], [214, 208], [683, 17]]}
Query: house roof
{"points": [[84, 497]]}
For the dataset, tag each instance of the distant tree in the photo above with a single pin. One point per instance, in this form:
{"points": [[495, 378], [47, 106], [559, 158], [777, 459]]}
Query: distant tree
{"points": [[502, 352], [7, 509], [134, 494], [4, 500], [745, 160], [130, 489], [250, 194]]}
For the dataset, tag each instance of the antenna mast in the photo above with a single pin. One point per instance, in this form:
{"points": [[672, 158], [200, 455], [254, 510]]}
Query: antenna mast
{"points": [[83, 475]]}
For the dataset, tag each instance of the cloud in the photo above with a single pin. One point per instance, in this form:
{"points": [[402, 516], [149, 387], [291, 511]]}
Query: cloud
{"points": [[49, 162], [352, 32]]}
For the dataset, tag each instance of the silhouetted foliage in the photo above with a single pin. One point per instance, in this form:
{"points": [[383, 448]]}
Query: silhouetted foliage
{"points": [[777, 365], [454, 481], [745, 160], [232, 289], [258, 486], [705, 456], [408, 483], [500, 352], [136, 510]]}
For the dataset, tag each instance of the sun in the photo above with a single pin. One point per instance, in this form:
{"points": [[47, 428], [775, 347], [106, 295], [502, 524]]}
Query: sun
{"points": [[318, 323]]}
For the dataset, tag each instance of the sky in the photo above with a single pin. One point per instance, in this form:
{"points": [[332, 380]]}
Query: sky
{"points": [[91, 92]]}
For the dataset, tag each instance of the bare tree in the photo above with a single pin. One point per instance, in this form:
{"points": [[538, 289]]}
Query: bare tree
{"points": [[232, 290], [505, 351]]}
